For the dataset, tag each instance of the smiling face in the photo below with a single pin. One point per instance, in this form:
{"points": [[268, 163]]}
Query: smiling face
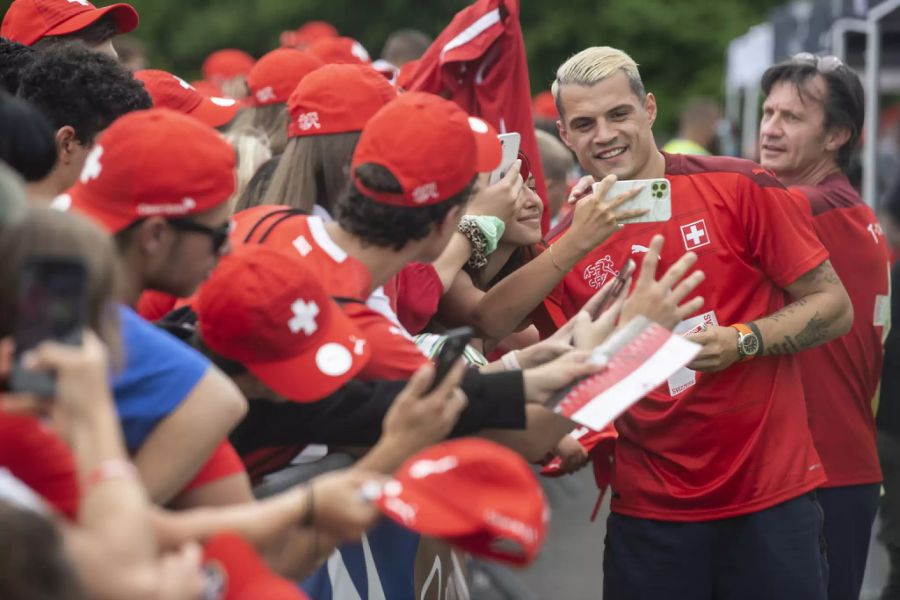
{"points": [[608, 127], [525, 230]]}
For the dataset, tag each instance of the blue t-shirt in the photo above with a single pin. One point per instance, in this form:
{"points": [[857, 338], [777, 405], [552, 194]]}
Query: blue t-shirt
{"points": [[160, 371]]}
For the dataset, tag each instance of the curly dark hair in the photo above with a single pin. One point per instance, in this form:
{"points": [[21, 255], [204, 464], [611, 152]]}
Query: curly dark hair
{"points": [[27, 143], [389, 226], [83, 89], [14, 57]]}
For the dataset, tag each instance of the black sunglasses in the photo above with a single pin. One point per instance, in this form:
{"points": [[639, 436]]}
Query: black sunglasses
{"points": [[218, 235]]}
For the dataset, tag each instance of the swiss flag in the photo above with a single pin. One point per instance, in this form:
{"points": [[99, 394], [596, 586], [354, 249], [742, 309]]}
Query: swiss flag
{"points": [[478, 61]]}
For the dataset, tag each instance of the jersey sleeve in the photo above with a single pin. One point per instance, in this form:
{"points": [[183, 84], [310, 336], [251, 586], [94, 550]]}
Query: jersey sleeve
{"points": [[779, 231], [418, 290], [158, 374], [394, 354]]}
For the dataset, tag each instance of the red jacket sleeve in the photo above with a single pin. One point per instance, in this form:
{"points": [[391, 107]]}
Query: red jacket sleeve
{"points": [[415, 293]]}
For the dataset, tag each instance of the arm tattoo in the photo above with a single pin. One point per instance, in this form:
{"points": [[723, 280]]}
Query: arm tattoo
{"points": [[814, 333], [824, 272]]}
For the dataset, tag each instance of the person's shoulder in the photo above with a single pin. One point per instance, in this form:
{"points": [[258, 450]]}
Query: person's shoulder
{"points": [[147, 345], [835, 192], [721, 166]]}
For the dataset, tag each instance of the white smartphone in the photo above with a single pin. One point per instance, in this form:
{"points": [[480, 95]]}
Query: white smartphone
{"points": [[510, 142], [656, 198]]}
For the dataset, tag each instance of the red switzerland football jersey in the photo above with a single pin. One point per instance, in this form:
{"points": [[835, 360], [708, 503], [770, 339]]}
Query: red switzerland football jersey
{"points": [[714, 445], [841, 378], [395, 355]]}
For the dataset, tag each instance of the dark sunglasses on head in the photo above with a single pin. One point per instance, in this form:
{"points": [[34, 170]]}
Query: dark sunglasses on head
{"points": [[823, 64], [218, 235]]}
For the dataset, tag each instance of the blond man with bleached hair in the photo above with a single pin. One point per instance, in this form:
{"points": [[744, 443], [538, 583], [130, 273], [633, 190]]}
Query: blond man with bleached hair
{"points": [[606, 115], [593, 65], [715, 469]]}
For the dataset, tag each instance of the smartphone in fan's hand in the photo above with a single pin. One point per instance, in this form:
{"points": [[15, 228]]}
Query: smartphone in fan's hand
{"points": [[451, 351], [51, 305], [655, 197], [510, 144]]}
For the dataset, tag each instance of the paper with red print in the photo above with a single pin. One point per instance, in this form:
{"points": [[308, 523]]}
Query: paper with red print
{"points": [[639, 358]]}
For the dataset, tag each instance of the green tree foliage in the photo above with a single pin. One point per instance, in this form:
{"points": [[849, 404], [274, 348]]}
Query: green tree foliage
{"points": [[680, 44]]}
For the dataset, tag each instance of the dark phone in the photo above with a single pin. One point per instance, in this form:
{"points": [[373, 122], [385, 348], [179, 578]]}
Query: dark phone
{"points": [[51, 305], [454, 345], [617, 288]]}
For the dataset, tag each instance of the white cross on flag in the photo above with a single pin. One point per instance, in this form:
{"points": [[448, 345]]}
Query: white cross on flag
{"points": [[304, 318], [695, 234]]}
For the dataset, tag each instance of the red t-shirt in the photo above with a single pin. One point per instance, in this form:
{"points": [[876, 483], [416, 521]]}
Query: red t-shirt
{"points": [[841, 378], [714, 445], [37, 456]]}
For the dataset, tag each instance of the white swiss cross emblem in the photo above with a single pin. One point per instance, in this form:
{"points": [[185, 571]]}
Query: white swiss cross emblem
{"points": [[307, 121], [597, 273], [304, 318], [92, 167], [695, 234]]}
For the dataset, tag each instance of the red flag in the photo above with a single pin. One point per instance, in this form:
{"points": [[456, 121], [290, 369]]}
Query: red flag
{"points": [[478, 61]]}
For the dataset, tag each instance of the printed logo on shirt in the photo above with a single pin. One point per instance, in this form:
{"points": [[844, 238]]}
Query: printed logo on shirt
{"points": [[186, 205], [596, 274], [266, 94], [92, 167], [425, 192], [308, 121], [304, 318], [302, 245], [695, 235], [638, 249], [876, 230]]}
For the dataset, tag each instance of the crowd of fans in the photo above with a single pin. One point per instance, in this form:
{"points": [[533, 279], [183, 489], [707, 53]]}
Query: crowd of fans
{"points": [[272, 257]]}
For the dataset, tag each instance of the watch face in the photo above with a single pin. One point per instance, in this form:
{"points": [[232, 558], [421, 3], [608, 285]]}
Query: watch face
{"points": [[749, 345]]}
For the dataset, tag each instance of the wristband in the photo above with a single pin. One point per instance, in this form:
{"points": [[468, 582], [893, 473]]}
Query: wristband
{"points": [[510, 361], [113, 468], [492, 229], [469, 228]]}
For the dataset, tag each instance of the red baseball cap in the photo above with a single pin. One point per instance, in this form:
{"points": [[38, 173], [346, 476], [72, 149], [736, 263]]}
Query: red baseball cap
{"points": [[171, 91], [430, 145], [27, 21], [544, 106], [227, 64], [308, 33], [474, 493], [275, 75], [264, 308], [337, 99], [340, 50], [240, 573], [155, 162]]}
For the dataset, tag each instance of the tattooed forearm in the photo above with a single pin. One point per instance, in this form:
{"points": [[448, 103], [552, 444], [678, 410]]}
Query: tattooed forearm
{"points": [[815, 332]]}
